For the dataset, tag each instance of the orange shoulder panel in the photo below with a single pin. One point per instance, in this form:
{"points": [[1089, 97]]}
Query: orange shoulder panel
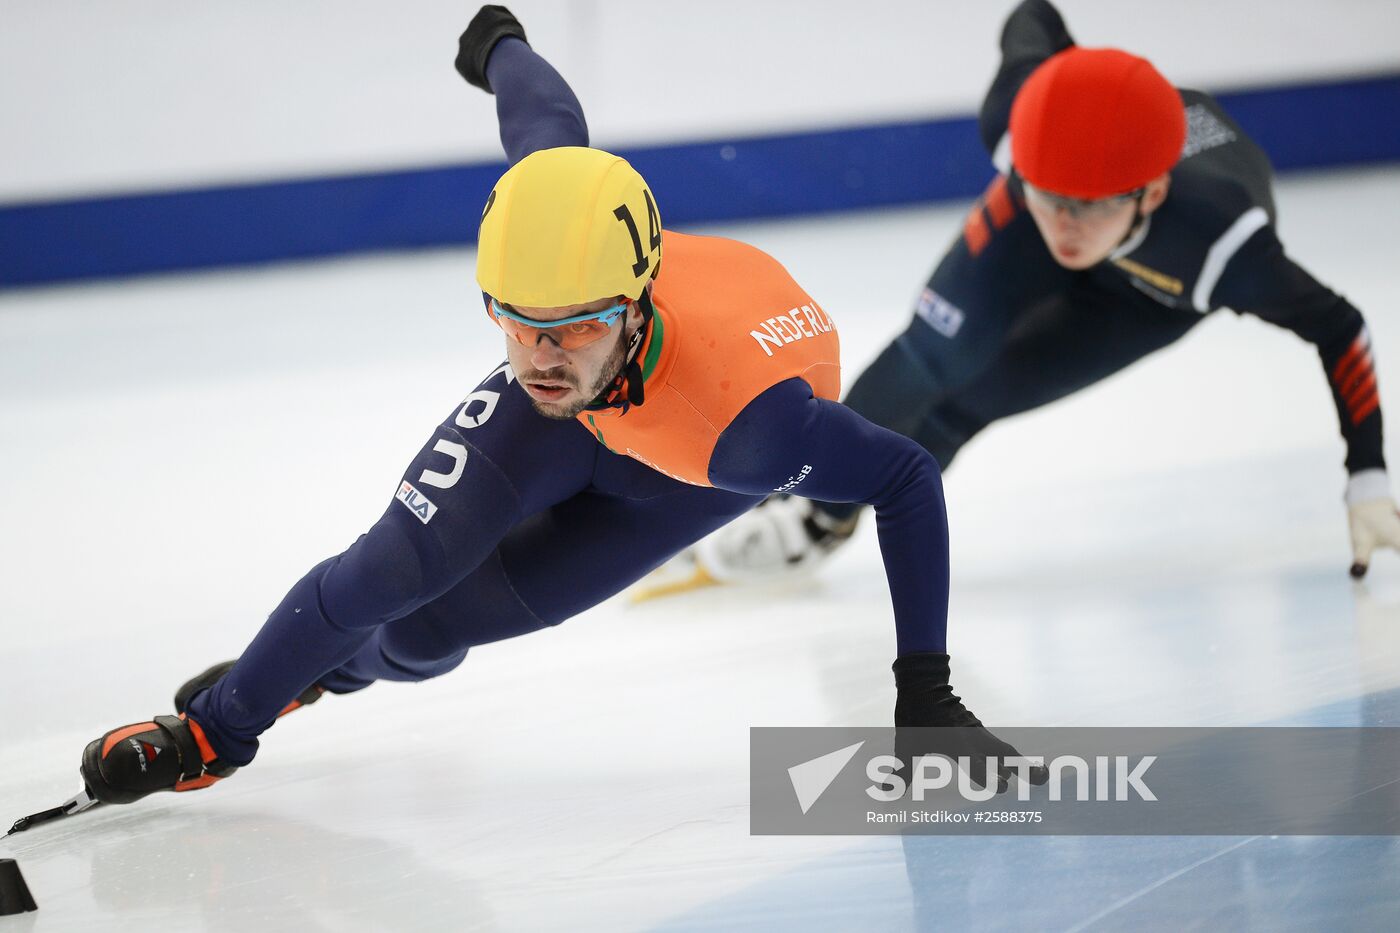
{"points": [[730, 324]]}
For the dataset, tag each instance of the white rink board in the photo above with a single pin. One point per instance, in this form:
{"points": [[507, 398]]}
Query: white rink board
{"points": [[115, 97]]}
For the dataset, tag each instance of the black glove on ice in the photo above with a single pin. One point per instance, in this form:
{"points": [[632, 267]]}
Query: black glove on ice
{"points": [[927, 699]]}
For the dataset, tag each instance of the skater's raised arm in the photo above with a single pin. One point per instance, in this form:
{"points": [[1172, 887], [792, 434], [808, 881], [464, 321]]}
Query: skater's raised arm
{"points": [[1033, 32], [535, 106]]}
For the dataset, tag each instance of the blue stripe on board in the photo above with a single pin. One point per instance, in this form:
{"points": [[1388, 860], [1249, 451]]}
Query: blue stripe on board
{"points": [[1301, 126]]}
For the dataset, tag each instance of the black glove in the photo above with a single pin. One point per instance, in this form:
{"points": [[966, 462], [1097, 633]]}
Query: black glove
{"points": [[927, 699], [1035, 27], [490, 25]]}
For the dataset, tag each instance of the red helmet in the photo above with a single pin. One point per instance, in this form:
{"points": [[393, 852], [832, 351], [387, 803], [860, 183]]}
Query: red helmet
{"points": [[1091, 123]]}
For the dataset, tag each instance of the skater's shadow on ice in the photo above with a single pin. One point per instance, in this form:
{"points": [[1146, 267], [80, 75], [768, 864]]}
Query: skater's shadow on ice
{"points": [[230, 871]]}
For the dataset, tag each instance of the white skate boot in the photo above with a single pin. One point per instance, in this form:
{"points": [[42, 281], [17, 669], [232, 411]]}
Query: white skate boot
{"points": [[781, 537]]}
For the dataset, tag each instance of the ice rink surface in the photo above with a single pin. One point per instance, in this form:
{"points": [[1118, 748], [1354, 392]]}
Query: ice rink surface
{"points": [[1167, 548]]}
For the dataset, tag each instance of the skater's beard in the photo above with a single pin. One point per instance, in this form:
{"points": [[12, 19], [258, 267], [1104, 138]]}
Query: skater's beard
{"points": [[581, 397]]}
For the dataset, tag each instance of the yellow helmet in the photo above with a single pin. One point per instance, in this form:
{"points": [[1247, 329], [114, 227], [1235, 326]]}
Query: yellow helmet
{"points": [[568, 226]]}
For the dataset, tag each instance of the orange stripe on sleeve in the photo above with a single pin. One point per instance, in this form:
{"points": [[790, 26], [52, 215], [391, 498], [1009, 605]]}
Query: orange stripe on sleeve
{"points": [[999, 206], [976, 231], [1354, 354], [1362, 389], [1369, 404], [1355, 376]]}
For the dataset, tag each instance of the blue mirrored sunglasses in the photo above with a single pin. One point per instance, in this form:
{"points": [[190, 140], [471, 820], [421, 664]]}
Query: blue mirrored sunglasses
{"points": [[570, 332]]}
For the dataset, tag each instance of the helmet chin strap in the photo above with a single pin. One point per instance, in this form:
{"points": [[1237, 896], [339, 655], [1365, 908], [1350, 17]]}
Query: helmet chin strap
{"points": [[1138, 217], [627, 388]]}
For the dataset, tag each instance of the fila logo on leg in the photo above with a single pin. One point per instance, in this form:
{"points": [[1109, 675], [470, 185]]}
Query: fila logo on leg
{"points": [[417, 503]]}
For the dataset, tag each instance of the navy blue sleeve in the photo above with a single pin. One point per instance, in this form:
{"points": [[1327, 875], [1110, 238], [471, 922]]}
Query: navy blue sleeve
{"points": [[818, 449], [535, 106]]}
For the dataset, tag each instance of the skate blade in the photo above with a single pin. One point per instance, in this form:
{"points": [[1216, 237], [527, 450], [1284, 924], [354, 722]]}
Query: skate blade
{"points": [[84, 800], [667, 581]]}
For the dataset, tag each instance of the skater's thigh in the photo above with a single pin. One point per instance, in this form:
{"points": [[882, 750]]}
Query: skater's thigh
{"points": [[1067, 343], [594, 545], [559, 562]]}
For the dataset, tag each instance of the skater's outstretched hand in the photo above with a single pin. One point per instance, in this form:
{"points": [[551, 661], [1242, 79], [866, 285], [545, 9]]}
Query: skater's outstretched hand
{"points": [[926, 699], [1374, 521]]}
